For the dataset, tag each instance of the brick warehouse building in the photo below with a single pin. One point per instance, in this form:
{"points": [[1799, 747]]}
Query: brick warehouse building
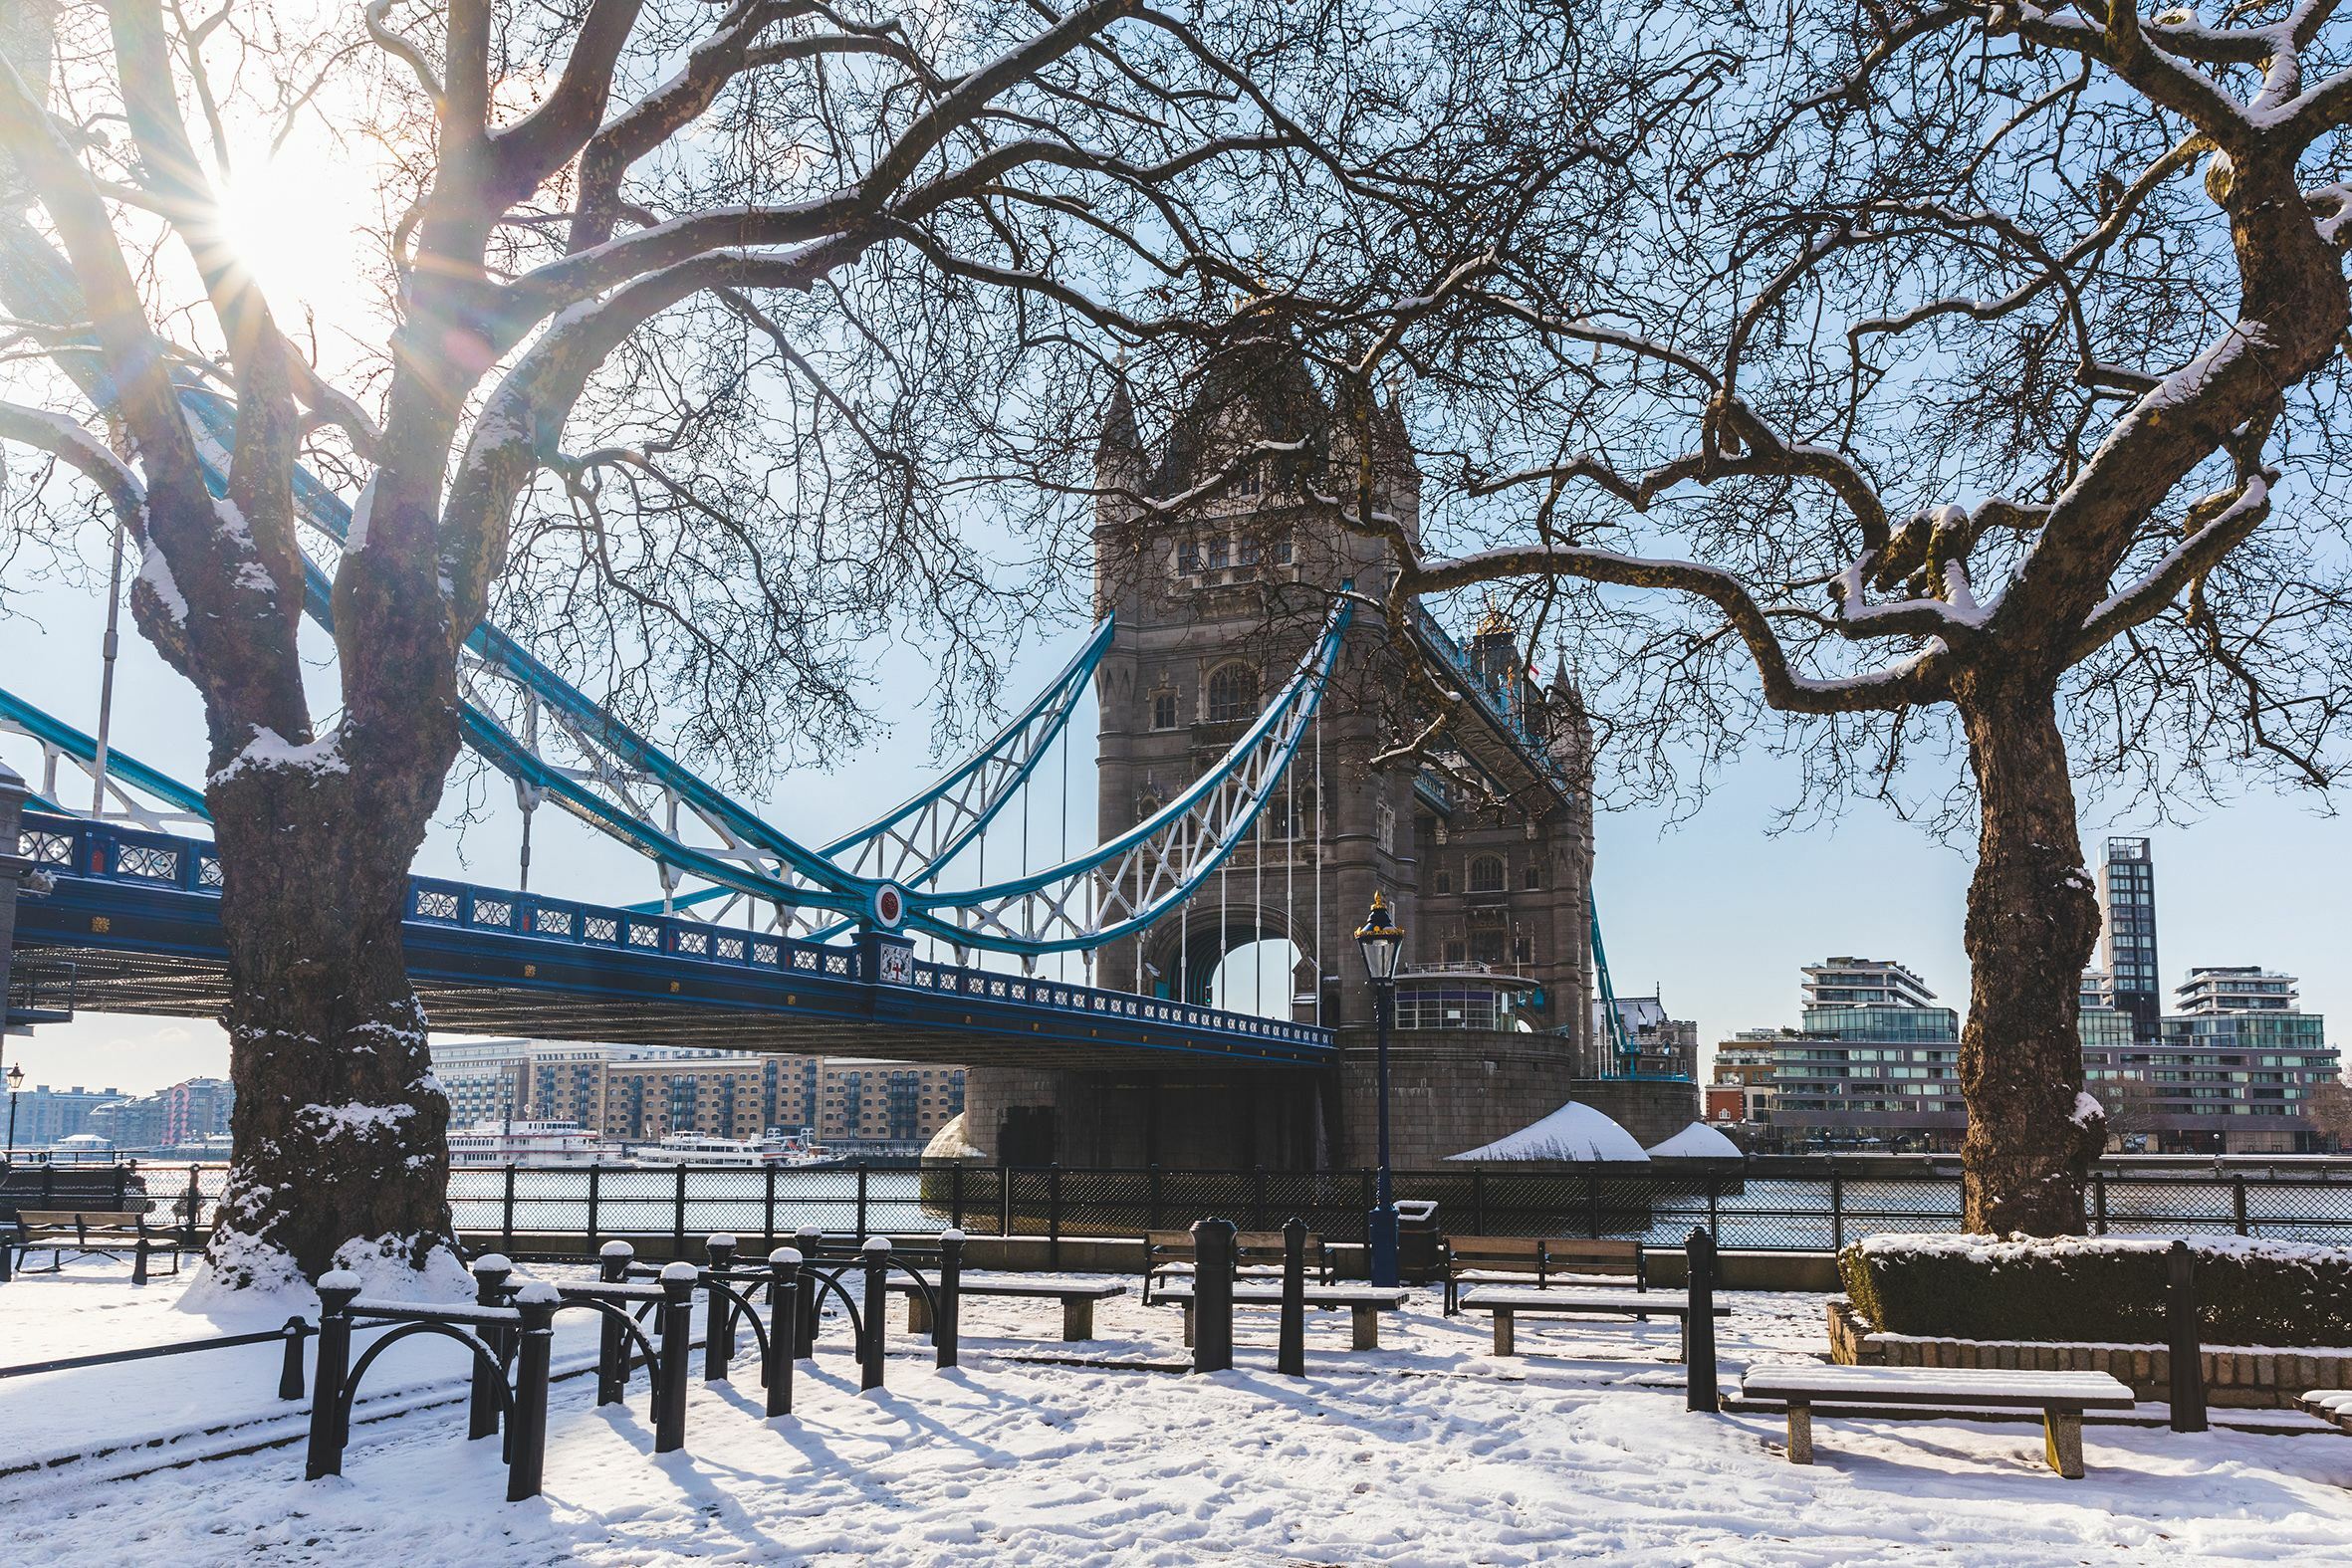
{"points": [[1215, 602]]}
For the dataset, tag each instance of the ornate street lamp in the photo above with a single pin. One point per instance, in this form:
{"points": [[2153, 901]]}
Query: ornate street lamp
{"points": [[16, 1081], [1383, 942]]}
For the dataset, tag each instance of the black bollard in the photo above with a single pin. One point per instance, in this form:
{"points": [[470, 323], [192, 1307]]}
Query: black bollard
{"points": [[337, 1288], [812, 1293], [1212, 1295], [533, 1344], [677, 1335], [1698, 1326], [876, 1254], [718, 1320], [289, 1363], [2187, 1360], [612, 1339], [1291, 1353], [784, 1320], [491, 1273], [139, 1259], [950, 1294]]}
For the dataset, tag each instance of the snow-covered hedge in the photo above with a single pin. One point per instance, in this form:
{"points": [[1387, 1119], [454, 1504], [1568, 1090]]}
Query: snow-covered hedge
{"points": [[2102, 1289]]}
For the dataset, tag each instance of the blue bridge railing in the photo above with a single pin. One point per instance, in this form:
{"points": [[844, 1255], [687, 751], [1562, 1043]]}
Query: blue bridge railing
{"points": [[73, 847]]}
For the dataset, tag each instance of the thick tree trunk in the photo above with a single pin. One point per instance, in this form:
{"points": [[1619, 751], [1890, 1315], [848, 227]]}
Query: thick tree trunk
{"points": [[2033, 921], [341, 1157]]}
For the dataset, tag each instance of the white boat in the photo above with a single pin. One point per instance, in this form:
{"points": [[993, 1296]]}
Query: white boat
{"points": [[773, 1148], [499, 1142]]}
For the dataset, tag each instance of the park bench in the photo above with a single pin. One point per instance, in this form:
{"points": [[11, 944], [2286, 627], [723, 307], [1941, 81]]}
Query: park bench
{"points": [[1547, 1257], [1078, 1297], [2061, 1397], [92, 1232], [1169, 1255], [1509, 1304], [1364, 1302], [2333, 1405]]}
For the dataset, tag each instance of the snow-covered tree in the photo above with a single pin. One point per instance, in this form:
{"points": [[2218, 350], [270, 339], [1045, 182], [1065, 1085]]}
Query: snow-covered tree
{"points": [[704, 334], [1950, 377]]}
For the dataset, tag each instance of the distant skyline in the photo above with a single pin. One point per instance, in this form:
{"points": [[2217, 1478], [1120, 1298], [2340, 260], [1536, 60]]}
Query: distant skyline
{"points": [[1714, 912]]}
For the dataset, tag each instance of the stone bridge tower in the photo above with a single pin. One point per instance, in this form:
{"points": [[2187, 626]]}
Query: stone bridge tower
{"points": [[1487, 857]]}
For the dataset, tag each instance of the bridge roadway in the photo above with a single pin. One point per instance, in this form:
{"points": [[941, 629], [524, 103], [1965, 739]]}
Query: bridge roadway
{"points": [[138, 914]]}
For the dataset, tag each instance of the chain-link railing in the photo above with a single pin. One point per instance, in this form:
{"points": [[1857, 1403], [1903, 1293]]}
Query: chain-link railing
{"points": [[1766, 1203]]}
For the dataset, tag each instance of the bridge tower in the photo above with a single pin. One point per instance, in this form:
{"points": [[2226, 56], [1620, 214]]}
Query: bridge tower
{"points": [[1217, 584]]}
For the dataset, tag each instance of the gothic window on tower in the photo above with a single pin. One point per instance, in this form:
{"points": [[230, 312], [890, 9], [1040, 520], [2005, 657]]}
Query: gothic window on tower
{"points": [[1232, 693], [1456, 953], [1444, 881], [1532, 877], [1188, 556], [1220, 553], [1384, 828], [1253, 479], [1163, 710], [1281, 551], [1485, 874], [1252, 550]]}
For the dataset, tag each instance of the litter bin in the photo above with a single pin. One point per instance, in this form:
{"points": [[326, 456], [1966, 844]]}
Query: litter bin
{"points": [[1416, 1239]]}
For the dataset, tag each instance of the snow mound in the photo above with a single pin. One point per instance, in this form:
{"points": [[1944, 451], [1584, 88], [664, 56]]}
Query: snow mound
{"points": [[1574, 1132], [949, 1142], [1695, 1142]]}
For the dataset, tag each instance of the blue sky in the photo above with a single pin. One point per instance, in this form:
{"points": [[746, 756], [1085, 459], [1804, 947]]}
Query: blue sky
{"points": [[1714, 911]]}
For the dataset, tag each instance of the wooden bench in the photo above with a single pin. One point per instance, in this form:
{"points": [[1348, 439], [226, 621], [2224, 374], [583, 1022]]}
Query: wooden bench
{"points": [[2333, 1405], [2061, 1397], [1169, 1255], [1506, 1304], [93, 1233], [1364, 1302], [1547, 1257], [1078, 1297]]}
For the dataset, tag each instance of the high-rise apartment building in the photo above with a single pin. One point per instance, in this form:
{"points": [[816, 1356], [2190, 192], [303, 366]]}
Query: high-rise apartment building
{"points": [[2127, 894], [2237, 989], [1875, 1061]]}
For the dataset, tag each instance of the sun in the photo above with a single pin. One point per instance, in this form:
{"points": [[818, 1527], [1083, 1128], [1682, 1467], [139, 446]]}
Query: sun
{"points": [[294, 222]]}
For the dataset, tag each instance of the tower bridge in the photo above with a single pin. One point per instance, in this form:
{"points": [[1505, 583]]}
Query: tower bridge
{"points": [[1244, 799]]}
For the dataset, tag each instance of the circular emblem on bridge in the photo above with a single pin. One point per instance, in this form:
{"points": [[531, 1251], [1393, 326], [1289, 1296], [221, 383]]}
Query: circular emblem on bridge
{"points": [[889, 905]]}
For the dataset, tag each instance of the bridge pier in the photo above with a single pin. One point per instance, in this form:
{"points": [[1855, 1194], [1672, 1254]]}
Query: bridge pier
{"points": [[13, 868], [1278, 1118]]}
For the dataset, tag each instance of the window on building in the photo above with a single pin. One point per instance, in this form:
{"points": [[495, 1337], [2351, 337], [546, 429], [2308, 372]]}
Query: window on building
{"points": [[1253, 479], [1281, 551], [1531, 878], [1220, 553], [1188, 556], [1485, 874], [1232, 693], [1444, 881], [1163, 710]]}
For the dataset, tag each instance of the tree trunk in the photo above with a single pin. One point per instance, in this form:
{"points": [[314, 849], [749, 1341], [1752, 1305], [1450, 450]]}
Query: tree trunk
{"points": [[341, 1158], [2033, 921]]}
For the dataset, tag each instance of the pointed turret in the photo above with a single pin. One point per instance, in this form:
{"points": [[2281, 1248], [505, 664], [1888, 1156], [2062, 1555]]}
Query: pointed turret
{"points": [[1118, 448]]}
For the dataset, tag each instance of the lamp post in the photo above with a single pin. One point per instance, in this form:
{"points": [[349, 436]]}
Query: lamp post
{"points": [[1383, 942], [16, 1081]]}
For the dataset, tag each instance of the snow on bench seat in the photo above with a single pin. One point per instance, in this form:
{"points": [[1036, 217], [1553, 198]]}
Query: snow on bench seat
{"points": [[1365, 1302], [2061, 1397], [1077, 1296], [1506, 1305]]}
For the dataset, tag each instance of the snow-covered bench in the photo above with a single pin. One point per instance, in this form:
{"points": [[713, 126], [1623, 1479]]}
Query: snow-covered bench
{"points": [[2333, 1405], [92, 1232], [1470, 1259], [1169, 1255], [1078, 1297], [1365, 1302], [2061, 1397], [1507, 1304]]}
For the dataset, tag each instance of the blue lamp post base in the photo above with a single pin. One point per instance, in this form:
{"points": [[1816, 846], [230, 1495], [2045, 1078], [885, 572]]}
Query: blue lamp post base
{"points": [[1380, 1234]]}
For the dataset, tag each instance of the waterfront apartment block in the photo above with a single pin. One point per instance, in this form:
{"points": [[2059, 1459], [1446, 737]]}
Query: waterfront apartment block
{"points": [[1863, 983], [2232, 1072], [644, 1093]]}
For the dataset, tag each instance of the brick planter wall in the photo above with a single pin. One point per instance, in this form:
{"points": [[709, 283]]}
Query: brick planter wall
{"points": [[2247, 1376]]}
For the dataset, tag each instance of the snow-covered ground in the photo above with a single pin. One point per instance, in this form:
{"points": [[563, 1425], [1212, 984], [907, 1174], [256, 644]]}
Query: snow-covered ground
{"points": [[1428, 1451]]}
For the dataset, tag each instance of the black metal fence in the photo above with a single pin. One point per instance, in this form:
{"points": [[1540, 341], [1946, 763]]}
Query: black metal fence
{"points": [[1766, 1203]]}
